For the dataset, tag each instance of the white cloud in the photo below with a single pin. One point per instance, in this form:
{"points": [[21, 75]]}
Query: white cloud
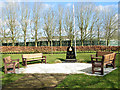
{"points": [[107, 7], [13, 1], [8, 0], [46, 6], [100, 7], [2, 4], [68, 5]]}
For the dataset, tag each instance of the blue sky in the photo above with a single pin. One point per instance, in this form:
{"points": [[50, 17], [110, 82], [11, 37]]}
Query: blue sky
{"points": [[65, 2]]}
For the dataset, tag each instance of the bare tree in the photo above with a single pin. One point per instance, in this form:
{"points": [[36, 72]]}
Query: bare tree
{"points": [[3, 33], [35, 26], [25, 15], [99, 27], [50, 25], [84, 17], [93, 20], [110, 24], [60, 9], [68, 25], [11, 12]]}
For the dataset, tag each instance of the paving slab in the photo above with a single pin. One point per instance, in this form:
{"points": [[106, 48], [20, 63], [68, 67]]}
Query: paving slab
{"points": [[63, 68]]}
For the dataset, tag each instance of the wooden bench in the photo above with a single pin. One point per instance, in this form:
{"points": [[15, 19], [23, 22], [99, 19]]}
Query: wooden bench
{"points": [[10, 63], [108, 59], [32, 57]]}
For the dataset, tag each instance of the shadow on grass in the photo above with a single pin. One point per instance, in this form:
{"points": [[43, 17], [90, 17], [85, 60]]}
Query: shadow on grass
{"points": [[2, 68], [87, 61], [61, 59], [34, 62]]}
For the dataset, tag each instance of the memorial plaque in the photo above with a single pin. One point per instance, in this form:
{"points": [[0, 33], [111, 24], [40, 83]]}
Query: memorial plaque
{"points": [[70, 56]]}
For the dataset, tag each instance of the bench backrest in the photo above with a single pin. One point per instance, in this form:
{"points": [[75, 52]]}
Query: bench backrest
{"points": [[102, 53], [109, 57], [7, 59], [36, 55]]}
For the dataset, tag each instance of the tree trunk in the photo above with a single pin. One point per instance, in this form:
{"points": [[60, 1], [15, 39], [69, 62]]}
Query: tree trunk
{"points": [[98, 37], [60, 42], [51, 47], [91, 42], [13, 41], [81, 37], [60, 38], [98, 41], [108, 41], [82, 43], [35, 38], [60, 28], [71, 42], [35, 43], [48, 42], [13, 44], [25, 38]]}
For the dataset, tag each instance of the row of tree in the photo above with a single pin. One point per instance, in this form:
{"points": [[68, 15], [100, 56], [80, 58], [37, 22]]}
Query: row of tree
{"points": [[22, 21]]}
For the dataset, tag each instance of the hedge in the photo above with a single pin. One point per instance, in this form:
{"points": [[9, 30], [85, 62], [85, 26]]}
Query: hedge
{"points": [[48, 49]]}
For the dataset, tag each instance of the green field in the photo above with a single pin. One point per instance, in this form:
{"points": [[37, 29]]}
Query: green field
{"points": [[71, 81]]}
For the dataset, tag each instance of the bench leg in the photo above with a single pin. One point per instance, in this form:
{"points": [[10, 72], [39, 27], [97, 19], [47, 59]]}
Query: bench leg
{"points": [[18, 66], [14, 69], [42, 61], [45, 61], [113, 64], [106, 66], [102, 71], [93, 70], [25, 62], [5, 70]]}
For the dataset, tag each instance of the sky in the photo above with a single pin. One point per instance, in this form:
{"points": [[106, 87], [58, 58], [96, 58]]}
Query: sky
{"points": [[64, 2], [98, 2]]}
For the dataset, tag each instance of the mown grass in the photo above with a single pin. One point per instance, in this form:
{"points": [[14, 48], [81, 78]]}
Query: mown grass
{"points": [[71, 81], [86, 81]]}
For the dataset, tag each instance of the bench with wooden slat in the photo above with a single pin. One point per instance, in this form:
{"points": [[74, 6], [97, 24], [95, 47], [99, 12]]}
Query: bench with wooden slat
{"points": [[10, 63], [32, 57], [108, 59]]}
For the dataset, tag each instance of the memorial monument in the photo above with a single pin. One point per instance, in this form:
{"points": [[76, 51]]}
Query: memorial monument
{"points": [[70, 56]]}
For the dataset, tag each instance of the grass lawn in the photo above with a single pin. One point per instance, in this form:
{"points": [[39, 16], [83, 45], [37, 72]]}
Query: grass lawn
{"points": [[86, 81], [71, 81]]}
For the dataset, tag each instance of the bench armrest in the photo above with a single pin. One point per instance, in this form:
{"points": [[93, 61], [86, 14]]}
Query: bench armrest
{"points": [[15, 60], [97, 61], [43, 56], [8, 63], [97, 57], [93, 56]]}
